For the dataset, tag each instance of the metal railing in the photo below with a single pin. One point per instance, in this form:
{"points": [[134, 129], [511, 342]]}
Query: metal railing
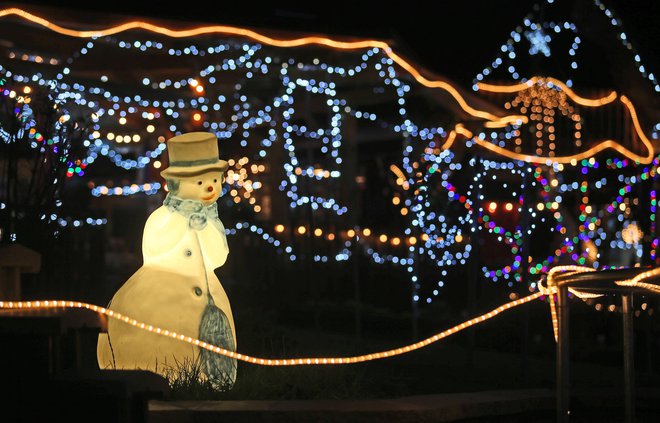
{"points": [[601, 283]]}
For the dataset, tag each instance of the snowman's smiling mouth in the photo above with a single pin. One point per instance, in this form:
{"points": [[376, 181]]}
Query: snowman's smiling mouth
{"points": [[208, 198]]}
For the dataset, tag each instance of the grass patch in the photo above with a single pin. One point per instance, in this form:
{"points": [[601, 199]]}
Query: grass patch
{"points": [[259, 382], [188, 382], [495, 362]]}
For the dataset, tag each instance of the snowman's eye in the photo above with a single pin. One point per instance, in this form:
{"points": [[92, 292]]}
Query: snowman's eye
{"points": [[215, 180], [199, 182]]}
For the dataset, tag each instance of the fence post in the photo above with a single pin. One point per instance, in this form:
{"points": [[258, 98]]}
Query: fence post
{"points": [[628, 358], [563, 351]]}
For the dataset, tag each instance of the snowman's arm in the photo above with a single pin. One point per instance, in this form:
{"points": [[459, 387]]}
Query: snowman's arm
{"points": [[213, 243], [223, 236], [163, 232]]}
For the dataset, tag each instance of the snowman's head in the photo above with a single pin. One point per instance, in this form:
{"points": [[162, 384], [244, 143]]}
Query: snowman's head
{"points": [[205, 187]]}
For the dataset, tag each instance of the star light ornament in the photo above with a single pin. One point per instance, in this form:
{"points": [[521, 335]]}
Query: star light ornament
{"points": [[176, 288], [539, 42]]}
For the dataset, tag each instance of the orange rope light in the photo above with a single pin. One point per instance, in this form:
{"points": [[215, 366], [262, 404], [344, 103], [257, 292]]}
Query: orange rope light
{"points": [[551, 290], [603, 145], [493, 121], [294, 42], [454, 93], [537, 79], [400, 176], [637, 281], [648, 158], [551, 287], [638, 128], [268, 361], [450, 140]]}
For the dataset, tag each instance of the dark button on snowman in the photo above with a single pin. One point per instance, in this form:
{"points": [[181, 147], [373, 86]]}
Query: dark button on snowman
{"points": [[176, 288]]}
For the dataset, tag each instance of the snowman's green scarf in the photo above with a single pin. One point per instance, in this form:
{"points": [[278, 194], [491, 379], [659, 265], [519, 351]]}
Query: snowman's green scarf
{"points": [[196, 212]]}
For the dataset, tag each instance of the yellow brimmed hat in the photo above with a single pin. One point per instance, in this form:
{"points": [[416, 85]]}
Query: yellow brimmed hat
{"points": [[192, 154]]}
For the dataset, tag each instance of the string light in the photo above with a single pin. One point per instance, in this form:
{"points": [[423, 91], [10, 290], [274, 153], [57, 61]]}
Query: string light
{"points": [[590, 232], [512, 239], [428, 160], [614, 21], [540, 36], [653, 210], [77, 223], [148, 188]]}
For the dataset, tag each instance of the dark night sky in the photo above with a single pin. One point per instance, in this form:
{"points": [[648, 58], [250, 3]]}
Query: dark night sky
{"points": [[453, 38]]}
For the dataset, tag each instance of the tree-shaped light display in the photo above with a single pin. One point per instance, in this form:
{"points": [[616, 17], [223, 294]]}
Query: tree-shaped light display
{"points": [[41, 142], [578, 188]]}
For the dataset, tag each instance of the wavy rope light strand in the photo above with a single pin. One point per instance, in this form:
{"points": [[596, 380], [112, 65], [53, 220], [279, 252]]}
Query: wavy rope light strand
{"points": [[267, 361], [596, 102], [493, 121], [286, 43], [551, 290], [637, 281]]}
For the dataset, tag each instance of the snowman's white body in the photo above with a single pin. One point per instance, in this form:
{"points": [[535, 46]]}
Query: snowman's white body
{"points": [[170, 292]]}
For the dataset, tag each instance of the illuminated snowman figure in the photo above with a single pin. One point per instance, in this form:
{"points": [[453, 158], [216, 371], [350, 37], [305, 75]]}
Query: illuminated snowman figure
{"points": [[176, 288]]}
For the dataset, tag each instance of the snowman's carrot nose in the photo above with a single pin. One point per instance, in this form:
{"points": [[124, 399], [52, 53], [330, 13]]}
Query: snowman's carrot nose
{"points": [[209, 189]]}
